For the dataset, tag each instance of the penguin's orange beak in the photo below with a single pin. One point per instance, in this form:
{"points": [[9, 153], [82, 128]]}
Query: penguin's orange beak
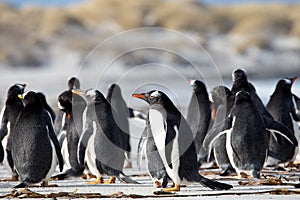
{"points": [[213, 114], [139, 96], [294, 79], [78, 92]]}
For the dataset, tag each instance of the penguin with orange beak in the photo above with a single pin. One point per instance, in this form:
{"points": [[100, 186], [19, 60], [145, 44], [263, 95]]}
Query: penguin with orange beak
{"points": [[173, 138], [281, 107]]}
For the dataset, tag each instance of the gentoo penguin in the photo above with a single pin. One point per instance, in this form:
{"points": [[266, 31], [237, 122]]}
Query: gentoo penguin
{"points": [[281, 107], [73, 106], [246, 135], [222, 101], [9, 113], [199, 112], [102, 143], [34, 145], [46, 106], [114, 97], [240, 82], [174, 141], [73, 83]]}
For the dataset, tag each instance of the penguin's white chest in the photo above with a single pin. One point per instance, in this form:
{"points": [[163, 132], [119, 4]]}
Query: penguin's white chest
{"points": [[159, 131]]}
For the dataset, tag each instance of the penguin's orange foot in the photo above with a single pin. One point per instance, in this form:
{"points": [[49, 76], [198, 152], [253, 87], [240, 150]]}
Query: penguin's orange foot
{"points": [[173, 189], [111, 180], [13, 178], [98, 181], [157, 184], [88, 176]]}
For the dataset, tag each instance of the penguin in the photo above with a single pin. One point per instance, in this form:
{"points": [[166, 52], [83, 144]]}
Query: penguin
{"points": [[102, 143], [173, 139], [297, 104], [240, 82], [73, 83], [246, 135], [199, 112], [46, 106], [34, 145], [222, 101], [73, 106], [282, 109], [13, 105], [115, 98]]}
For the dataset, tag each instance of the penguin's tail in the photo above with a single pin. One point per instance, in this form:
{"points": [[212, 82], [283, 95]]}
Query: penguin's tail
{"points": [[126, 179], [24, 184], [214, 185]]}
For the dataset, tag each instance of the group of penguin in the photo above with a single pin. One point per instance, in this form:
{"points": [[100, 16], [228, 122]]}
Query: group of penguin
{"points": [[90, 133]]}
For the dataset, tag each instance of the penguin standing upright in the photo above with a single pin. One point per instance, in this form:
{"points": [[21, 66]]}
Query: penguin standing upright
{"points": [[114, 97], [13, 105], [281, 107], [73, 106], [246, 135], [73, 83], [46, 106], [102, 143], [34, 145], [174, 141], [199, 113], [240, 82], [222, 101]]}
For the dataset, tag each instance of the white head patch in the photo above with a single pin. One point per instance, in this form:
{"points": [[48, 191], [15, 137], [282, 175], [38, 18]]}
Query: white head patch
{"points": [[20, 86], [192, 82], [287, 81], [155, 94], [91, 93], [210, 97]]}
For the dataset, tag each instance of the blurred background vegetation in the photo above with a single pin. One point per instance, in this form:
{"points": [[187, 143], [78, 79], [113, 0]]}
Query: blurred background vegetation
{"points": [[27, 33]]}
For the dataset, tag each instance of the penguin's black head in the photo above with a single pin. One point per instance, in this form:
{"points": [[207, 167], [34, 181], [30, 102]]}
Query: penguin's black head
{"points": [[73, 83], [219, 94], [42, 98], [239, 75], [154, 97], [65, 101], [198, 86], [113, 90], [242, 96], [285, 85], [32, 99], [15, 91]]}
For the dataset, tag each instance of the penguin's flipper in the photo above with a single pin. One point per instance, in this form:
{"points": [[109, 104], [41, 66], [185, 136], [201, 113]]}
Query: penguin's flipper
{"points": [[53, 138], [83, 141], [215, 132], [277, 128], [137, 115], [140, 148], [4, 122]]}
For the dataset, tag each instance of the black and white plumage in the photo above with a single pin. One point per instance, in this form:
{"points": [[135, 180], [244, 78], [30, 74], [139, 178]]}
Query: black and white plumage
{"points": [[246, 135], [116, 100], [73, 83], [73, 106], [102, 143], [222, 101], [173, 139], [13, 105], [34, 145], [199, 112], [240, 82], [281, 107]]}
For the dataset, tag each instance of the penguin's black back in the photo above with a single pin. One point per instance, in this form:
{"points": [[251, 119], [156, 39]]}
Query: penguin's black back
{"points": [[114, 97], [199, 113], [31, 147], [109, 140]]}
